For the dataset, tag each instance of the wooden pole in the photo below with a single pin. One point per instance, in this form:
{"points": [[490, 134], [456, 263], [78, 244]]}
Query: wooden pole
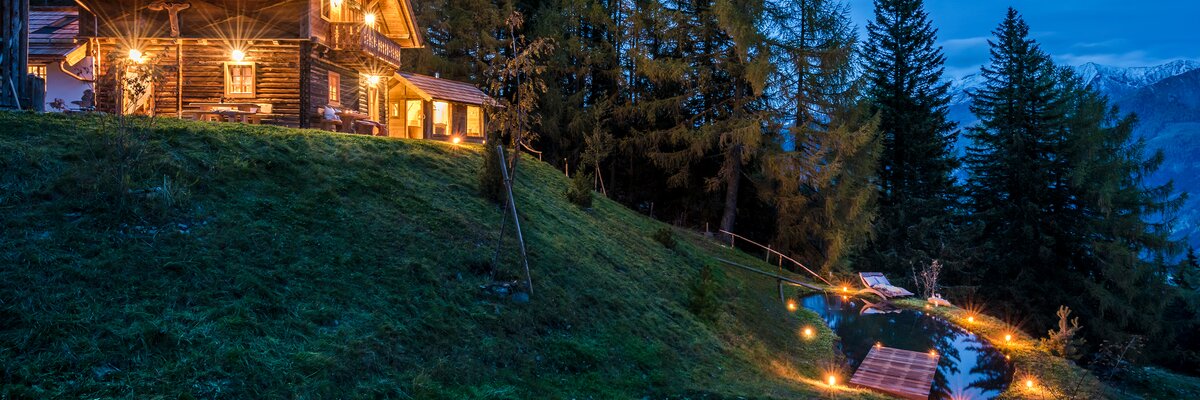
{"points": [[512, 206]]}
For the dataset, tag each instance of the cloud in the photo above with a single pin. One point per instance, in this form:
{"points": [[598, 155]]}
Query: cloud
{"points": [[1094, 45], [954, 45], [1135, 58]]}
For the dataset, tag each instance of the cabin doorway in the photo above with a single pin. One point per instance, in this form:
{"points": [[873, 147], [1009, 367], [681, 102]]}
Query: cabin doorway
{"points": [[406, 112]]}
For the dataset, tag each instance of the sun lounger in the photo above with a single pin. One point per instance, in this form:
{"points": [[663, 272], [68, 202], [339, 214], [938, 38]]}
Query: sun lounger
{"points": [[880, 284]]}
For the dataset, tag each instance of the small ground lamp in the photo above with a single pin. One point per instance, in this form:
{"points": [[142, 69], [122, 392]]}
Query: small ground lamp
{"points": [[832, 380], [456, 140], [1029, 383], [808, 332], [932, 353], [791, 305], [1007, 338], [971, 319]]}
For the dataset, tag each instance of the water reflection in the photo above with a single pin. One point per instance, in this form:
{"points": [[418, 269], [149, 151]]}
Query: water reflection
{"points": [[969, 368]]}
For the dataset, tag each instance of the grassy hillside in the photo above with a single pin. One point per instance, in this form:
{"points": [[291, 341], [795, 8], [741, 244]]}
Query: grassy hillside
{"points": [[227, 261]]}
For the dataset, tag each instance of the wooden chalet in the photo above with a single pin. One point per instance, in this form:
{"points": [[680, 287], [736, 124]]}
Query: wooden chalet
{"points": [[283, 61]]}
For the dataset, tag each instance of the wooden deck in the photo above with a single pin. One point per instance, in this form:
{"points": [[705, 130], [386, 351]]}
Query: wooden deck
{"points": [[903, 373]]}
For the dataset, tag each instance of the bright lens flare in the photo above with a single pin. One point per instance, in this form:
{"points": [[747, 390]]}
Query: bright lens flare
{"points": [[933, 353], [373, 80], [971, 319], [791, 305], [456, 140], [369, 19], [1008, 338], [845, 289], [808, 332], [832, 380], [1029, 383], [135, 55], [237, 55]]}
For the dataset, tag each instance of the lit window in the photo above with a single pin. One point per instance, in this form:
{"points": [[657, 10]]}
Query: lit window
{"points": [[474, 121], [415, 115], [38, 71], [239, 80], [441, 118], [335, 84], [333, 10]]}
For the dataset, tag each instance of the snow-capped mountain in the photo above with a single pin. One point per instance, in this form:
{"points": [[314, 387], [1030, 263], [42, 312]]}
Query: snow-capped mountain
{"points": [[1166, 99]]}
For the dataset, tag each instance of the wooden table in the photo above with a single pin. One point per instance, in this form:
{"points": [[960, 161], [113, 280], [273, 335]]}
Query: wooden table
{"points": [[348, 117]]}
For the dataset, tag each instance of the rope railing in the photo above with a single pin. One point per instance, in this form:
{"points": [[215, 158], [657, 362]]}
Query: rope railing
{"points": [[734, 236]]}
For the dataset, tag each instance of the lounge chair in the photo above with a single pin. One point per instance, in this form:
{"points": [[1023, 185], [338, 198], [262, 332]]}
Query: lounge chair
{"points": [[880, 284]]}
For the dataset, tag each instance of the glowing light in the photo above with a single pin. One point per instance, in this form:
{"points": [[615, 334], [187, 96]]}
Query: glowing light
{"points": [[845, 297], [373, 80], [1007, 338], [971, 319], [1029, 383], [878, 344], [791, 305], [456, 140], [237, 55], [927, 307], [369, 19], [808, 332], [933, 353], [845, 289], [832, 380], [135, 55]]}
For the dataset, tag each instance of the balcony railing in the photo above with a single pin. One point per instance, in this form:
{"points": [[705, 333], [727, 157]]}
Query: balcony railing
{"points": [[354, 36]]}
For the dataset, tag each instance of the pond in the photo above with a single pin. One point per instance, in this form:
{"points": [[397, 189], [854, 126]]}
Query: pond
{"points": [[969, 367]]}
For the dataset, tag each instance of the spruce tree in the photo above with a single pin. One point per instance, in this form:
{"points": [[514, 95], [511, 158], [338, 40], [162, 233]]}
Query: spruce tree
{"points": [[1014, 168], [1188, 271], [918, 196]]}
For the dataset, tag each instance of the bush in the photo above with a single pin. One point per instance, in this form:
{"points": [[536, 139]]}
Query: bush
{"points": [[665, 237], [491, 180], [1062, 342], [580, 190], [702, 296]]}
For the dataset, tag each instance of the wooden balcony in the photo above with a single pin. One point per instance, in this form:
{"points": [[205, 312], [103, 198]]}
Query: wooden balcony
{"points": [[354, 37]]}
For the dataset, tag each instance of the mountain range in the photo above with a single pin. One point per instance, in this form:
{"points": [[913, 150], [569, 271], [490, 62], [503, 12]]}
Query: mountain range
{"points": [[1166, 99]]}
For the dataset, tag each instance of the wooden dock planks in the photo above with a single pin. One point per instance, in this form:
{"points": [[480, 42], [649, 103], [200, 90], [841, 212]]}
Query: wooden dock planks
{"points": [[903, 373]]}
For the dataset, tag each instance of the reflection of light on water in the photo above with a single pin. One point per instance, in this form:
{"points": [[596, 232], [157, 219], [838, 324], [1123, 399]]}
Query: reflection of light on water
{"points": [[968, 367]]}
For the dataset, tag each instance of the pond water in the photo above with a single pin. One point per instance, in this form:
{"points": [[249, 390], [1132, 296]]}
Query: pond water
{"points": [[969, 367]]}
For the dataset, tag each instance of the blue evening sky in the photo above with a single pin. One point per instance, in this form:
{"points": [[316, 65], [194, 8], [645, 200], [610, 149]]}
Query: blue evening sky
{"points": [[1123, 33]]}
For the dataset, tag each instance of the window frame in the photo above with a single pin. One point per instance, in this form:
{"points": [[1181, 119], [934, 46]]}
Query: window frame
{"points": [[334, 83], [229, 67]]}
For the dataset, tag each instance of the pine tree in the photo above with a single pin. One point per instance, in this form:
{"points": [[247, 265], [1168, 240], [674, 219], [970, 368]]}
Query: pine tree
{"points": [[918, 196], [1188, 271], [1056, 186], [820, 175], [460, 37], [715, 67], [1016, 169]]}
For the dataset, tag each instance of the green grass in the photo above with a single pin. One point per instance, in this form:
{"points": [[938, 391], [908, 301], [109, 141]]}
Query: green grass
{"points": [[228, 261]]}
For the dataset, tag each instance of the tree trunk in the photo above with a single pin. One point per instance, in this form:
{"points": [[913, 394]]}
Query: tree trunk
{"points": [[733, 182]]}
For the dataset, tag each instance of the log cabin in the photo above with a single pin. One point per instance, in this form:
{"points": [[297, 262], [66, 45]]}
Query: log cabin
{"points": [[293, 61]]}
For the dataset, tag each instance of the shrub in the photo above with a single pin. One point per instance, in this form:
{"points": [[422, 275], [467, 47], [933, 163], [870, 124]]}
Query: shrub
{"points": [[1062, 342], [491, 180], [702, 296], [665, 237], [580, 190]]}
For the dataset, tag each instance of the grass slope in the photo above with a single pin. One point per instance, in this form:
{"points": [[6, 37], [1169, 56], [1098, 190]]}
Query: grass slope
{"points": [[201, 260]]}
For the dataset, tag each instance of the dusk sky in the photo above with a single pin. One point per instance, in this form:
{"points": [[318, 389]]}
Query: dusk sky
{"points": [[1111, 32]]}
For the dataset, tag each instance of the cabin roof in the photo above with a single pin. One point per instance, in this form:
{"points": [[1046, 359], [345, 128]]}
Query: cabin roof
{"points": [[52, 31], [432, 88]]}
